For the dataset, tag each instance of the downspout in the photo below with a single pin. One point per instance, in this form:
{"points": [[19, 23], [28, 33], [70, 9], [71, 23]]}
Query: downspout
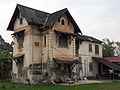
{"points": [[32, 49]]}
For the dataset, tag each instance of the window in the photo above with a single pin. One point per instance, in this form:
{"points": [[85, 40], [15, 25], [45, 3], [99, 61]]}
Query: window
{"points": [[90, 66], [20, 39], [44, 41], [96, 49], [59, 20], [21, 20], [62, 22], [90, 47], [68, 22], [36, 43], [63, 40]]}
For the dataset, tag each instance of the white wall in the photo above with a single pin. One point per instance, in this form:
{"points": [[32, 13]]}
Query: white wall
{"points": [[86, 57]]}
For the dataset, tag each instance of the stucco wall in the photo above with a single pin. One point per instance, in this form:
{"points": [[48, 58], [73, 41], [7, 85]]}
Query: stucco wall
{"points": [[86, 57], [18, 26], [84, 49]]}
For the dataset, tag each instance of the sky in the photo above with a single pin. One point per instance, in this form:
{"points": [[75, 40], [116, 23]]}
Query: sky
{"points": [[97, 18]]}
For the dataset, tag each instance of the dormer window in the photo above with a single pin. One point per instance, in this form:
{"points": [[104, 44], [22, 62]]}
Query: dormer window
{"points": [[62, 22]]}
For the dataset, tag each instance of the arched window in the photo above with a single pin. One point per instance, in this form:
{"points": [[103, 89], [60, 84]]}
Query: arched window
{"points": [[62, 22]]}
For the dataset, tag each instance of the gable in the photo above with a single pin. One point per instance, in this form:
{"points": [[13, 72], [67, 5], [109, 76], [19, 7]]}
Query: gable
{"points": [[32, 16], [67, 27], [56, 15], [20, 22]]}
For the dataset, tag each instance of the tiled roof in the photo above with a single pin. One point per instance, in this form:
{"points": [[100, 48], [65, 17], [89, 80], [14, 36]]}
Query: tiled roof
{"points": [[118, 43], [107, 63], [89, 38], [40, 18], [113, 59]]}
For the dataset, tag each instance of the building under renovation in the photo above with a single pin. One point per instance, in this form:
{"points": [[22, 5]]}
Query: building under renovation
{"points": [[50, 46]]}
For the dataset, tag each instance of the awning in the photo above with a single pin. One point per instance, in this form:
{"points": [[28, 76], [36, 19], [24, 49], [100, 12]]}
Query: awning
{"points": [[66, 61], [65, 33], [18, 56], [107, 63]]}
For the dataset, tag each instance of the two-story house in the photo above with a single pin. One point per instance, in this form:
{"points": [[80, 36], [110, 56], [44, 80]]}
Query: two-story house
{"points": [[44, 42], [51, 46], [89, 47]]}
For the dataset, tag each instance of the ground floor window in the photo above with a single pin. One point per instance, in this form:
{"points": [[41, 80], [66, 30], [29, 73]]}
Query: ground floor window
{"points": [[90, 66]]}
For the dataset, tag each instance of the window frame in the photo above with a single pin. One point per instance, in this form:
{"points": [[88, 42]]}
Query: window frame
{"points": [[90, 66], [44, 41], [37, 44], [96, 49], [20, 39], [62, 22], [63, 40], [90, 47]]}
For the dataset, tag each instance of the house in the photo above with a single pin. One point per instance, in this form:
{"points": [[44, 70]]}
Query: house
{"points": [[42, 42], [50, 46], [89, 47]]}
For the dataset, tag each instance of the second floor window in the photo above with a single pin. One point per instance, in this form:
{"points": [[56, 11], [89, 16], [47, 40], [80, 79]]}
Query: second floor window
{"points": [[90, 47], [62, 22], [20, 39], [63, 40], [96, 49], [44, 41]]}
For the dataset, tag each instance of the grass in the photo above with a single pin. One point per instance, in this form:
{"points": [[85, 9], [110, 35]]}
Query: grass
{"points": [[97, 86]]}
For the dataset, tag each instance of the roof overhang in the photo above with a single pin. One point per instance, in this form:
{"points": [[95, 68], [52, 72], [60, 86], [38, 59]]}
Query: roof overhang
{"points": [[17, 56], [15, 33], [107, 63], [66, 61], [65, 33]]}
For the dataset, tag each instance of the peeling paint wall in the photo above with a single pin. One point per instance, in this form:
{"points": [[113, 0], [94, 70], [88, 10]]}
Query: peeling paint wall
{"points": [[68, 27], [36, 52]]}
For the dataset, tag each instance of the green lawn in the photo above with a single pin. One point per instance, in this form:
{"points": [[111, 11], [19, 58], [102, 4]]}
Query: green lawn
{"points": [[102, 86]]}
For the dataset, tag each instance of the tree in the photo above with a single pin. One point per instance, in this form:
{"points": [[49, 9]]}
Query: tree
{"points": [[4, 45], [5, 64], [5, 59], [108, 48]]}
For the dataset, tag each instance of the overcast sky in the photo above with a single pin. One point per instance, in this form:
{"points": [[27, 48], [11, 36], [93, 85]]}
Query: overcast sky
{"points": [[97, 18]]}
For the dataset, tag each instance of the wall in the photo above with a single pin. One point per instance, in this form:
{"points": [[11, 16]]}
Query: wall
{"points": [[62, 52], [86, 58], [64, 28], [84, 49], [26, 44]]}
